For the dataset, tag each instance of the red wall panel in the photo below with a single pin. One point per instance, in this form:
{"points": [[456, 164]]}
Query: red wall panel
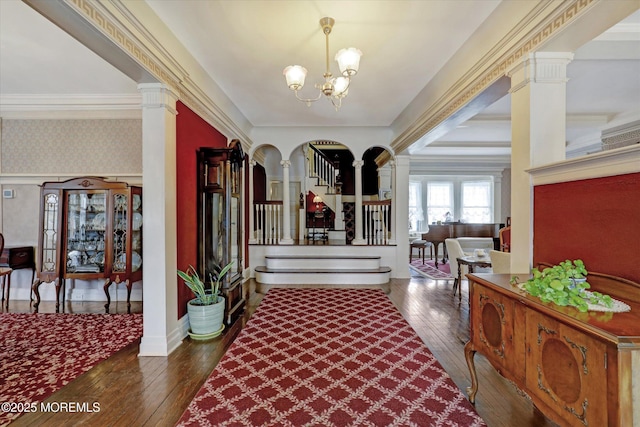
{"points": [[191, 133], [596, 220]]}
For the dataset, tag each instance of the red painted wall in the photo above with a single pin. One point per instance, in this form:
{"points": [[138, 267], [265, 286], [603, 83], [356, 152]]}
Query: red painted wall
{"points": [[191, 133], [596, 220]]}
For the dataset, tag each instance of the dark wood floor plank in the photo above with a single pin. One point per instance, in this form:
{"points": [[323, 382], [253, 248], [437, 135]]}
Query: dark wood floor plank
{"points": [[154, 391]]}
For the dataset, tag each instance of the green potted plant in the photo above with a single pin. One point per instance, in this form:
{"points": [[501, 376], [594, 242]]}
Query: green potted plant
{"points": [[565, 284], [206, 310]]}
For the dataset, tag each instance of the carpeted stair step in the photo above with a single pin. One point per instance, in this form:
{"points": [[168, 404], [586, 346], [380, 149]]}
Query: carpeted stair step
{"points": [[321, 262], [324, 276]]}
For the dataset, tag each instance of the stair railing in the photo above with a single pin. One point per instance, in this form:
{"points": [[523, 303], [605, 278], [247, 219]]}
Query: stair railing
{"points": [[268, 222], [377, 221], [322, 168]]}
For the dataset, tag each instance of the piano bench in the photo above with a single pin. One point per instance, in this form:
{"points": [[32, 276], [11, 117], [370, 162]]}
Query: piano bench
{"points": [[421, 245]]}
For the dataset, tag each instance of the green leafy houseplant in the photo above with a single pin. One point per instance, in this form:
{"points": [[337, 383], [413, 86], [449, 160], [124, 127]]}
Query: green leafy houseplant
{"points": [[565, 284], [196, 284]]}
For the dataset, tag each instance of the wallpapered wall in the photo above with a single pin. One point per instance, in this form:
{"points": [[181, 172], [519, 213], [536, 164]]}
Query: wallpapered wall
{"points": [[98, 147], [39, 150]]}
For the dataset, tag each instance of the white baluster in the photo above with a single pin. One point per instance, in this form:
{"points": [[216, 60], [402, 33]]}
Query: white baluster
{"points": [[385, 220], [271, 224]]}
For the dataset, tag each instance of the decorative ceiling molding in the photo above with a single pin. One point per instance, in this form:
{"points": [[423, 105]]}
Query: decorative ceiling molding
{"points": [[597, 165], [116, 22], [493, 68], [64, 106], [38, 179], [460, 165], [621, 136]]}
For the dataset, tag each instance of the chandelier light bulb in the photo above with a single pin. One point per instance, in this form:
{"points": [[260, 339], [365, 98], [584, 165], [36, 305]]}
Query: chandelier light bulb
{"points": [[341, 87], [295, 75], [349, 61]]}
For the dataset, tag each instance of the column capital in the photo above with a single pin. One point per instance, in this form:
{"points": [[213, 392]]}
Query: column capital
{"points": [[285, 163], [158, 95], [539, 67], [358, 164], [252, 163]]}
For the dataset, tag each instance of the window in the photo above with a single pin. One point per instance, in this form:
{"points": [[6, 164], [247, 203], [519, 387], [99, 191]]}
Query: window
{"points": [[415, 205], [477, 202], [439, 200]]}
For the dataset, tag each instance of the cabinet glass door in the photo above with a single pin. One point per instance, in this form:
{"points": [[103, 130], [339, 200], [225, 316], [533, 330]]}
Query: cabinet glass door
{"points": [[236, 238], [215, 242], [50, 231], [126, 207], [136, 230], [86, 227]]}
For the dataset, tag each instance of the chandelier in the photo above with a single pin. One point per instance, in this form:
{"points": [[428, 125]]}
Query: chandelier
{"points": [[333, 88]]}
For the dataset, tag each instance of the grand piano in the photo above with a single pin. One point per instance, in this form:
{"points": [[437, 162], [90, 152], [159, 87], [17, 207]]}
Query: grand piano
{"points": [[439, 232]]}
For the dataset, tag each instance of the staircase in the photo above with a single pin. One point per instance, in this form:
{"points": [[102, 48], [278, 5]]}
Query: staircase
{"points": [[322, 269], [322, 180]]}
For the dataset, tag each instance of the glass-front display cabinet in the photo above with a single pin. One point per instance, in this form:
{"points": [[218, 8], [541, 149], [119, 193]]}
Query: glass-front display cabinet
{"points": [[220, 218], [90, 229]]}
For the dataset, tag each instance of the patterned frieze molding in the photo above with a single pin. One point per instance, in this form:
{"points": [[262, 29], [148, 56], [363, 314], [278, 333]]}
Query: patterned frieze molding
{"points": [[621, 136], [469, 87]]}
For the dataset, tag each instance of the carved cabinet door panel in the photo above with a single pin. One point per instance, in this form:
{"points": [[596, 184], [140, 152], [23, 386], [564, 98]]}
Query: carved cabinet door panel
{"points": [[494, 334], [566, 370]]}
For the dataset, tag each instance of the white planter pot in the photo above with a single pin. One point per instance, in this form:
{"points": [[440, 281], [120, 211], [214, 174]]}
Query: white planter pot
{"points": [[205, 319]]}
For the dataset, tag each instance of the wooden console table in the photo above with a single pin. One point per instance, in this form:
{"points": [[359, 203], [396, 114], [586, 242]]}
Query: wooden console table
{"points": [[576, 367]]}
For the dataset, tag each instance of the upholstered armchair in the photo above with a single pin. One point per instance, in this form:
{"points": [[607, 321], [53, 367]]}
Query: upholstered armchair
{"points": [[455, 251], [500, 261]]}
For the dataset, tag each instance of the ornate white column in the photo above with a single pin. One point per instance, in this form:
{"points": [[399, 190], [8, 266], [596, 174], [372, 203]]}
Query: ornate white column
{"points": [[161, 332], [401, 210], [392, 237], [286, 205], [359, 239], [538, 135], [252, 232], [497, 198]]}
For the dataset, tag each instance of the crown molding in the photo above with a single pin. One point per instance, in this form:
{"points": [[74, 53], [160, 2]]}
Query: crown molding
{"points": [[38, 179], [67, 106], [618, 161]]}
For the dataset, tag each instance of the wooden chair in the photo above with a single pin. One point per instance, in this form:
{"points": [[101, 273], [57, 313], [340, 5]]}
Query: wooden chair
{"points": [[4, 273], [505, 238]]}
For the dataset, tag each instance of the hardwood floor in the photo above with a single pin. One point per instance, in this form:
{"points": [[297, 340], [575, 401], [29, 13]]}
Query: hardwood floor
{"points": [[154, 391]]}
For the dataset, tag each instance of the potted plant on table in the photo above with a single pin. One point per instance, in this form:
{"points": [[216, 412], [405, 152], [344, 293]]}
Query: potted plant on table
{"points": [[565, 284], [206, 310]]}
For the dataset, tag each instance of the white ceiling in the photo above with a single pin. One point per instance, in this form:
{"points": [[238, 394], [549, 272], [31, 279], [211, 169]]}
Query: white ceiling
{"points": [[244, 46]]}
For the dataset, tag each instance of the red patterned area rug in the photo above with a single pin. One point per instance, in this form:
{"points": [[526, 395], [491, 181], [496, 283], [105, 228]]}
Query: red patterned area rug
{"points": [[329, 357], [41, 353], [428, 269]]}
